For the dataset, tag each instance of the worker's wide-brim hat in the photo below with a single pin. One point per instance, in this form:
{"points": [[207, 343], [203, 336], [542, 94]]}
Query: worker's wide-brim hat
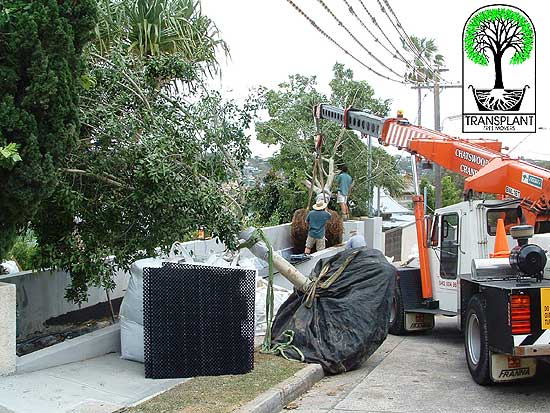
{"points": [[320, 205]]}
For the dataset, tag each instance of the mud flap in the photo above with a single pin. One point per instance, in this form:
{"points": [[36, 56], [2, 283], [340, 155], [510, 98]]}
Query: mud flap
{"points": [[509, 368], [418, 321]]}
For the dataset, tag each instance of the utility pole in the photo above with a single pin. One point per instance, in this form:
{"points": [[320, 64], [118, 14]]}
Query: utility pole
{"points": [[437, 123], [419, 116], [437, 127]]}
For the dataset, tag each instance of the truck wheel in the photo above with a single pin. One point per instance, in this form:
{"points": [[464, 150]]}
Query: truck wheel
{"points": [[476, 340], [397, 314]]}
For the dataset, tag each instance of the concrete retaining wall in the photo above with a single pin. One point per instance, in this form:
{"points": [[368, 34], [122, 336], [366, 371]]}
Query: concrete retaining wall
{"points": [[373, 233], [7, 329], [408, 241], [41, 296]]}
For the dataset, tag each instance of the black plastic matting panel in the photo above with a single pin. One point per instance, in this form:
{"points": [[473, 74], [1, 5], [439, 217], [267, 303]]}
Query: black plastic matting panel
{"points": [[198, 321]]}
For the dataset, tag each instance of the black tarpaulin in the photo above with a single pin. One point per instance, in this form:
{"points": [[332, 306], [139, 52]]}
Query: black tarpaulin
{"points": [[348, 314]]}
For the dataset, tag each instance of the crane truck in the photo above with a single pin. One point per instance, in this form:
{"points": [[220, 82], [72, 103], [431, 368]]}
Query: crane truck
{"points": [[501, 299]]}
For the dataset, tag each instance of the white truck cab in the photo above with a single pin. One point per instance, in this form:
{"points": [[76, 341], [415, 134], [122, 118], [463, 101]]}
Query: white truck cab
{"points": [[502, 312]]}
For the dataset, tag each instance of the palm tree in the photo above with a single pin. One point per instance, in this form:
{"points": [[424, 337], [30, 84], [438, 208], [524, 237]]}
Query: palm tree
{"points": [[427, 49], [156, 27]]}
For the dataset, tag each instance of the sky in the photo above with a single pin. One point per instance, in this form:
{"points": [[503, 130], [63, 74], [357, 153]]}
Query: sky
{"points": [[269, 39]]}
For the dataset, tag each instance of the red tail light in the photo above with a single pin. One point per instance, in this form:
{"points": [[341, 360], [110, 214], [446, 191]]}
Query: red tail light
{"points": [[520, 313]]}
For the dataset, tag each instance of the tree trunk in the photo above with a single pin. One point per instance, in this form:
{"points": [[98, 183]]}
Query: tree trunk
{"points": [[286, 269], [498, 71]]}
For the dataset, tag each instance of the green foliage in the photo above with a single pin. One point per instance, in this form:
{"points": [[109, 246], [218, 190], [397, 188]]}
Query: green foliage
{"points": [[346, 91], [450, 193], [158, 156], [25, 251], [292, 127], [40, 65], [273, 200], [427, 49], [451, 190], [495, 30], [157, 27], [150, 168], [9, 156]]}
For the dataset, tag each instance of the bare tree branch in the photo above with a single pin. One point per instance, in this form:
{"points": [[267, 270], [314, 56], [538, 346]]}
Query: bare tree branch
{"points": [[105, 179]]}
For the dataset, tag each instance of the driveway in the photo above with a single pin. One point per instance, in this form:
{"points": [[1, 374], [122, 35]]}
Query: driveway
{"points": [[423, 372]]}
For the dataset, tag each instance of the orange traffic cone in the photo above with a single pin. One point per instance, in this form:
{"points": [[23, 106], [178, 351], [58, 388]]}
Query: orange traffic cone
{"points": [[502, 250]]}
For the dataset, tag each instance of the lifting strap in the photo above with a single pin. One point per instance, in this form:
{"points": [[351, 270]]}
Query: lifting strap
{"points": [[266, 347]]}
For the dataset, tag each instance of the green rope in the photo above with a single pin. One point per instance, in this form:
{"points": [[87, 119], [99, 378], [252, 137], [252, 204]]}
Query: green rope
{"points": [[266, 347], [320, 282], [282, 347]]}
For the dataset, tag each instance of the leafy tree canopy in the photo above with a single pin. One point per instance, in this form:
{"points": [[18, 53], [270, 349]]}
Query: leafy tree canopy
{"points": [[40, 67], [451, 192], [155, 27], [153, 154], [291, 126], [149, 169]]}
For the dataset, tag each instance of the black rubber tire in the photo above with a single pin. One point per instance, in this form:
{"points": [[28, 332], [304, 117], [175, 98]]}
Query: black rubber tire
{"points": [[397, 324], [476, 313]]}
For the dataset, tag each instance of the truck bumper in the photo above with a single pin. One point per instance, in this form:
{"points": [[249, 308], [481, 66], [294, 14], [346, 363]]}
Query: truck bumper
{"points": [[531, 351]]}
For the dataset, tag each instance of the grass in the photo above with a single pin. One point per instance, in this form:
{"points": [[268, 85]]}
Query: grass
{"points": [[221, 394]]}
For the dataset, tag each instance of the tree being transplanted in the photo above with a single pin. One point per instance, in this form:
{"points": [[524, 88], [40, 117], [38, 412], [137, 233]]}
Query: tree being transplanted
{"points": [[291, 126], [495, 31]]}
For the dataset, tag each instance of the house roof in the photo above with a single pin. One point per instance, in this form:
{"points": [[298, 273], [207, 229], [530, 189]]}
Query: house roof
{"points": [[387, 203]]}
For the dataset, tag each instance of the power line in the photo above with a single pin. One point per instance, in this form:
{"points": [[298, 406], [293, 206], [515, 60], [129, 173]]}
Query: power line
{"points": [[356, 40], [316, 26], [408, 38], [405, 37], [376, 39], [401, 57]]}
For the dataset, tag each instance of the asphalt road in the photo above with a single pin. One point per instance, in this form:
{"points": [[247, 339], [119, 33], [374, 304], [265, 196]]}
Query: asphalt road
{"points": [[423, 372]]}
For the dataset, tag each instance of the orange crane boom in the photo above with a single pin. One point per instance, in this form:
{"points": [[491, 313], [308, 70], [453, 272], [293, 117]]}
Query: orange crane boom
{"points": [[486, 168]]}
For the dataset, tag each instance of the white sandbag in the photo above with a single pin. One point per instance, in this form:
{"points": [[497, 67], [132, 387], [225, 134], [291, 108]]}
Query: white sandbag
{"points": [[280, 295], [132, 303], [252, 263], [216, 260], [131, 340], [9, 267]]}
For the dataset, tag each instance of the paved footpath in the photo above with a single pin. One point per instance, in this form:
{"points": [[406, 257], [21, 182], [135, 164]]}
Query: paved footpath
{"points": [[423, 372]]}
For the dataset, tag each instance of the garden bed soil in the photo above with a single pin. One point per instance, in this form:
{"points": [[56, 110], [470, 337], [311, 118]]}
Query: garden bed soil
{"points": [[68, 326]]}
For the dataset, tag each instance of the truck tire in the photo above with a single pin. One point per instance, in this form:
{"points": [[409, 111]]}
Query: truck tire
{"points": [[397, 314], [476, 340]]}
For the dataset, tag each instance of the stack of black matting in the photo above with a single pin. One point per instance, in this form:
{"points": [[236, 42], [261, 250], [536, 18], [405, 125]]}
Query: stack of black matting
{"points": [[198, 321]]}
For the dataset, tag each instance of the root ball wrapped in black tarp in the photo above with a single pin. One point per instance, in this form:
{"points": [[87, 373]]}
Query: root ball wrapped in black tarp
{"points": [[344, 316]]}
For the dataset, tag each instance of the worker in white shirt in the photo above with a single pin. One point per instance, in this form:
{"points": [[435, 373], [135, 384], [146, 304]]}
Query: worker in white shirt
{"points": [[356, 240]]}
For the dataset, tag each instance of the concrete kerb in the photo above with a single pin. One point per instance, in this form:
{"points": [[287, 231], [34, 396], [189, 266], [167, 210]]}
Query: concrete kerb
{"points": [[276, 398]]}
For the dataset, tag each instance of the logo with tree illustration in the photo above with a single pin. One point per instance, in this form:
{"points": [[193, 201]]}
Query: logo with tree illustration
{"points": [[499, 36]]}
